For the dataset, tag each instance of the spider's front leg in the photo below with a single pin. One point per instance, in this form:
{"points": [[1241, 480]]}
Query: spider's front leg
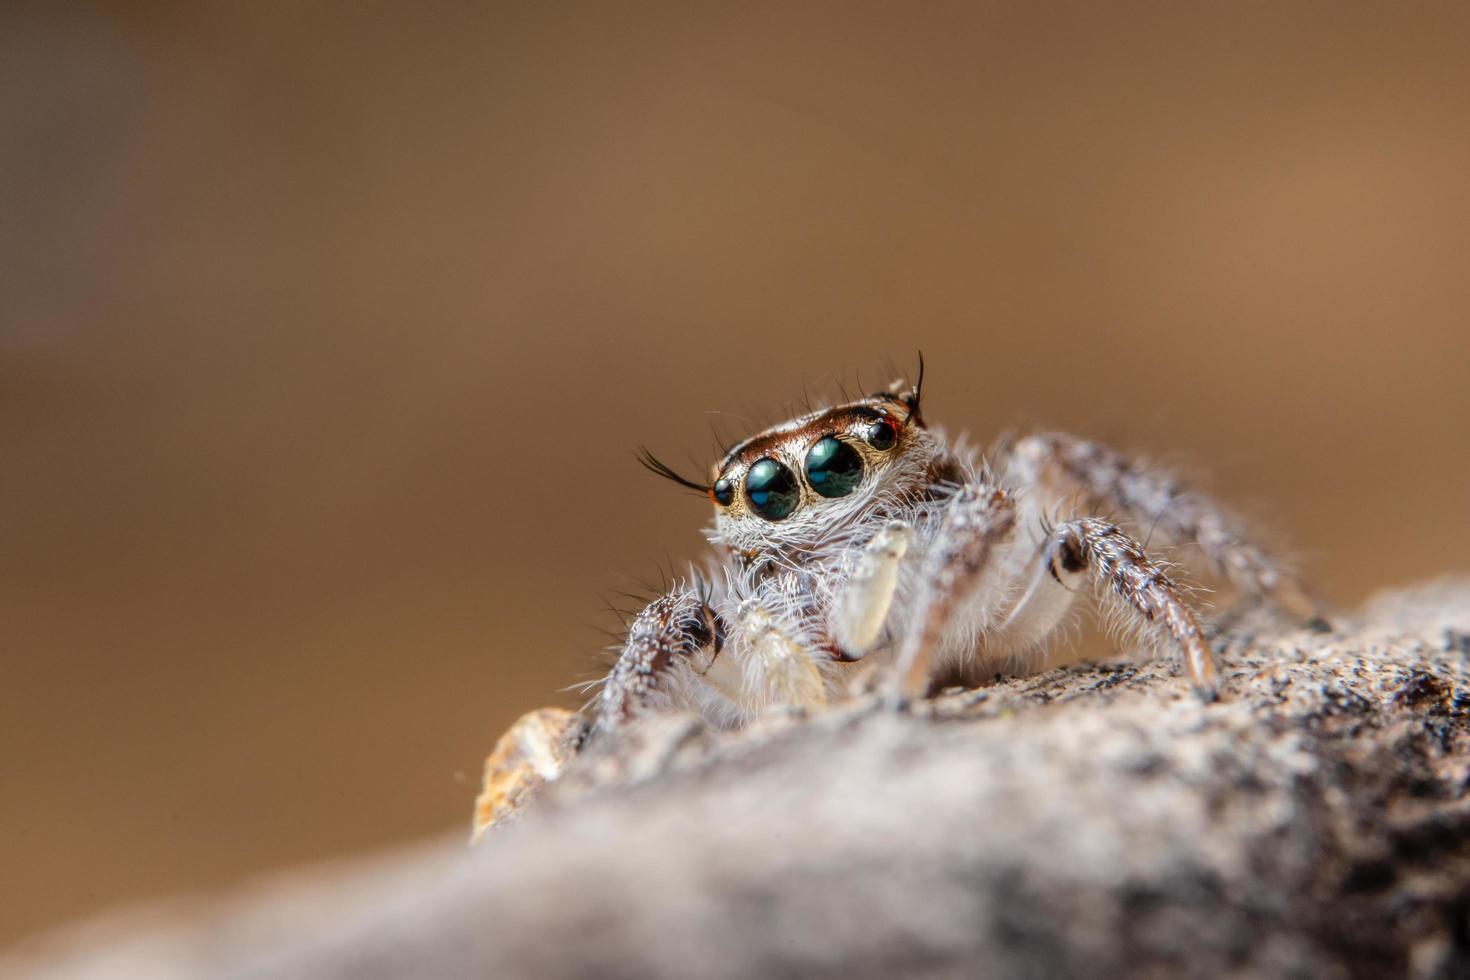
{"points": [[671, 645], [727, 665], [1061, 468], [960, 571], [1121, 569]]}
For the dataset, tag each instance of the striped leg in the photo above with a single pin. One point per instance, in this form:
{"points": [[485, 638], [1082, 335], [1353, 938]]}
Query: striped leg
{"points": [[1121, 570], [672, 639], [1064, 468], [958, 570]]}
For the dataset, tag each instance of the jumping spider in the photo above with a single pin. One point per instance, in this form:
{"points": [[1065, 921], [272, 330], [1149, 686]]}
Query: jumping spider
{"points": [[858, 533]]}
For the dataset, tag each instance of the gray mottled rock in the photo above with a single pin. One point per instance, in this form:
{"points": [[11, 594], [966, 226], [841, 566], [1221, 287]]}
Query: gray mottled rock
{"points": [[1095, 821]]}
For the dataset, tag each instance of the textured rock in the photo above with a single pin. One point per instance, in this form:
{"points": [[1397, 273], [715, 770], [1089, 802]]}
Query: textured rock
{"points": [[1093, 821]]}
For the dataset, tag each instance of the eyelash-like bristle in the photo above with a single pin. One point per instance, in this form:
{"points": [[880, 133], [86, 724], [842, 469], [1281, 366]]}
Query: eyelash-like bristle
{"points": [[654, 465]]}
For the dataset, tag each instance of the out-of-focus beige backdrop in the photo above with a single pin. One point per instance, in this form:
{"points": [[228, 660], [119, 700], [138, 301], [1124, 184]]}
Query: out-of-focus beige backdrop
{"points": [[327, 334]]}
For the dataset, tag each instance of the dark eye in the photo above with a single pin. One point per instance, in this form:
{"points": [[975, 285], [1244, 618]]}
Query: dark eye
{"points": [[771, 489], [882, 434], [723, 491], [833, 467]]}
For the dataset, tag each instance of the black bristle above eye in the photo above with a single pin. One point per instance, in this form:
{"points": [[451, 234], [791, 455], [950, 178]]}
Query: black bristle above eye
{"points": [[654, 465], [916, 395]]}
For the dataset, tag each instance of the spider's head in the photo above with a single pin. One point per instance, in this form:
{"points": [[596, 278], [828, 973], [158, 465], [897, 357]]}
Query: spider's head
{"points": [[796, 485]]}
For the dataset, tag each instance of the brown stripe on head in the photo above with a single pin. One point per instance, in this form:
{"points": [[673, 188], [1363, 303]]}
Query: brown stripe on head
{"points": [[809, 428]]}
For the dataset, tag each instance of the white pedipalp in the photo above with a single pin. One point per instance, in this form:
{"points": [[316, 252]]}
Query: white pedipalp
{"points": [[867, 595]]}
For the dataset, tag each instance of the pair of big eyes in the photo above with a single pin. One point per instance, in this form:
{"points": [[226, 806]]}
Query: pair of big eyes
{"points": [[833, 468]]}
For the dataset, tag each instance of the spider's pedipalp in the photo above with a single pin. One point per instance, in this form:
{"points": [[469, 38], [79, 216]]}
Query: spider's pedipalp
{"points": [[866, 596], [780, 668]]}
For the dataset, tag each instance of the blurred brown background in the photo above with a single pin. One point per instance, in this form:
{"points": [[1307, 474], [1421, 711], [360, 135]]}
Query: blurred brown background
{"points": [[326, 336]]}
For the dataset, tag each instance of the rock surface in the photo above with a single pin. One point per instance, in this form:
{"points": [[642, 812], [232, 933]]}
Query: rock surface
{"points": [[1093, 821]]}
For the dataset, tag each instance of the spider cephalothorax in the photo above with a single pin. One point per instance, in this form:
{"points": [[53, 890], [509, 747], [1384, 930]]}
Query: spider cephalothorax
{"points": [[858, 533], [786, 492]]}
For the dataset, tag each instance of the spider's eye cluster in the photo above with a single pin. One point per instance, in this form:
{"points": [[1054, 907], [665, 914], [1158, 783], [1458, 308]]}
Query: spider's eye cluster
{"points": [[833, 468]]}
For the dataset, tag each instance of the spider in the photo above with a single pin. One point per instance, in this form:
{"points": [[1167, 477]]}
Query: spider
{"points": [[858, 535]]}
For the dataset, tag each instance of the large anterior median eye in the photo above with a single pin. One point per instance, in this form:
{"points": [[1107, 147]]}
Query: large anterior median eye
{"points": [[833, 467], [771, 489]]}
